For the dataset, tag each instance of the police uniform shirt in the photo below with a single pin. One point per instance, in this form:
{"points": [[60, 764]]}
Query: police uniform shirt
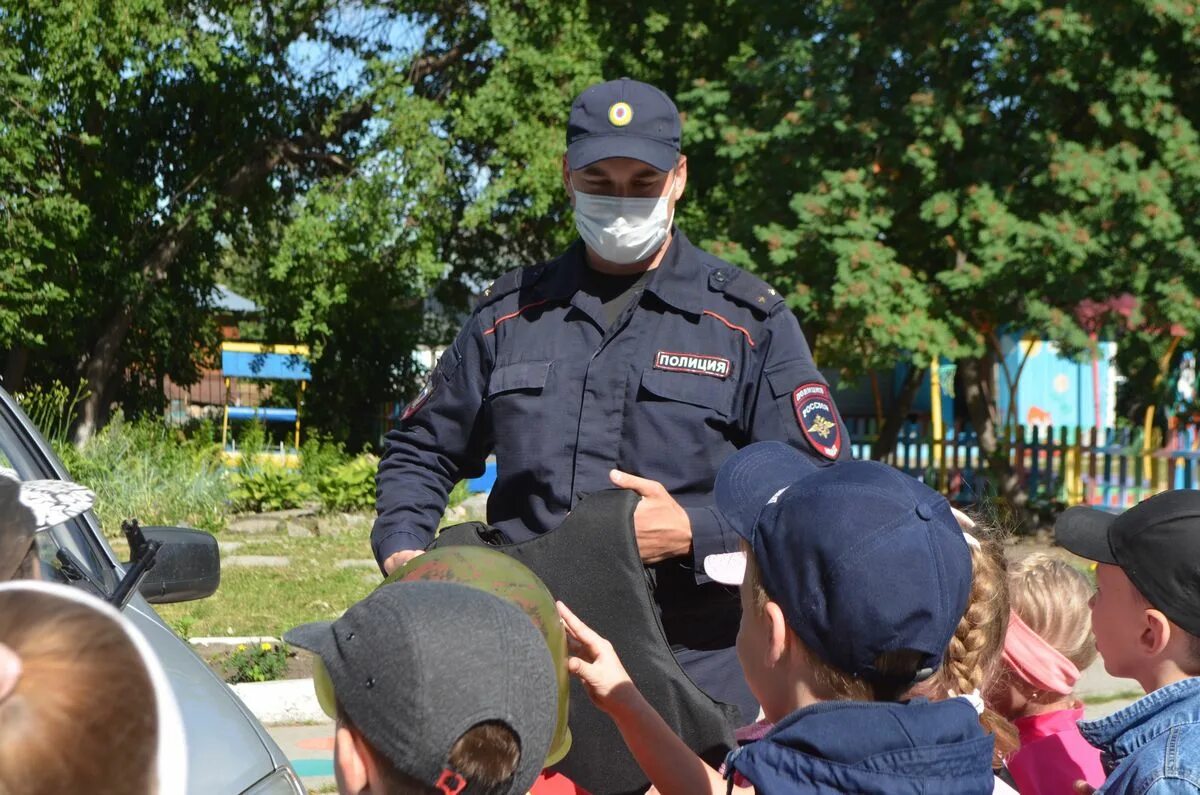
{"points": [[706, 360]]}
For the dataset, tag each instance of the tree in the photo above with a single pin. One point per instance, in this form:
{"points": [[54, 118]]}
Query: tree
{"points": [[920, 178], [917, 178], [171, 131], [37, 221], [450, 185]]}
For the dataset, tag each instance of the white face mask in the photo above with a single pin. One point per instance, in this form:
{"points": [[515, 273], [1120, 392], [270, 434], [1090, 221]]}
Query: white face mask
{"points": [[620, 229]]}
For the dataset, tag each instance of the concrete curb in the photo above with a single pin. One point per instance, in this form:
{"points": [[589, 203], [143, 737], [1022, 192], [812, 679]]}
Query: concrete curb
{"points": [[249, 640], [287, 701], [284, 701]]}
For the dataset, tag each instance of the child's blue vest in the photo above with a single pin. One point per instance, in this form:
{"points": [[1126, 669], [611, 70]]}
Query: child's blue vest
{"points": [[919, 747]]}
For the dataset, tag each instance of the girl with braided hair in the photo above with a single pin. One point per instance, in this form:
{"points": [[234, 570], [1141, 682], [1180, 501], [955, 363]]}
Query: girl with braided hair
{"points": [[972, 661]]}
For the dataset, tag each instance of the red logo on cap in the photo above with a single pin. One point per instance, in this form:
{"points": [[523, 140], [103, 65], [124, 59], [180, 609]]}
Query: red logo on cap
{"points": [[450, 783]]}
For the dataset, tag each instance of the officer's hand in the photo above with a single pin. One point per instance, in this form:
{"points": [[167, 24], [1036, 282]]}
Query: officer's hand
{"points": [[1083, 788], [594, 662], [398, 559], [662, 525]]}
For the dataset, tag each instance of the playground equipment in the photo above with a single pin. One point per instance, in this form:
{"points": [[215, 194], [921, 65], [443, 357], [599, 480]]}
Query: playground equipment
{"points": [[259, 362]]}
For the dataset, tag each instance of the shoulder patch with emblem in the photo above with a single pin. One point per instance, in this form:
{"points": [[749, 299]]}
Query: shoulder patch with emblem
{"points": [[817, 418]]}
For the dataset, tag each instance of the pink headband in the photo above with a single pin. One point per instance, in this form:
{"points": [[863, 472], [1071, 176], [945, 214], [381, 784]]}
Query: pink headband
{"points": [[1038, 663]]}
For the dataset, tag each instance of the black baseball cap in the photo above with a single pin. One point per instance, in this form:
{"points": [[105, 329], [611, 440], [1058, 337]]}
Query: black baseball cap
{"points": [[1156, 543], [862, 558], [415, 665], [623, 118]]}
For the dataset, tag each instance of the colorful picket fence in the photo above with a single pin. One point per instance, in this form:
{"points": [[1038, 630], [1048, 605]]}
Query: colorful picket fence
{"points": [[1109, 467]]}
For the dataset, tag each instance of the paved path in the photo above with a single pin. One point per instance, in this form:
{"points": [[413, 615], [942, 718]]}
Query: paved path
{"points": [[310, 749], [1107, 693]]}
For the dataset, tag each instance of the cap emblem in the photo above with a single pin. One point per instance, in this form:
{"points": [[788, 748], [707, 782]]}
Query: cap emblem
{"points": [[620, 114]]}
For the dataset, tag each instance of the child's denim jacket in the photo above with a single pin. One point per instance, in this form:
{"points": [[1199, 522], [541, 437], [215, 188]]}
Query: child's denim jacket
{"points": [[1152, 747]]}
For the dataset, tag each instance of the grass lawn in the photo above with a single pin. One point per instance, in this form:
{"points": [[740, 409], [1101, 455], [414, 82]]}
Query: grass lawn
{"points": [[269, 600], [1107, 698], [262, 600]]}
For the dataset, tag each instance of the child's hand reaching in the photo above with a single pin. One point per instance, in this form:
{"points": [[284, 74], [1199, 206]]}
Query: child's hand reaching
{"points": [[595, 663], [670, 764]]}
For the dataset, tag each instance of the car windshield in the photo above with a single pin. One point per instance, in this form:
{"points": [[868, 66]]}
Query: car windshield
{"points": [[65, 551]]}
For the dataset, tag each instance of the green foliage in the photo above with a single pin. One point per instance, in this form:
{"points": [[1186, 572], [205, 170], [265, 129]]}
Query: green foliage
{"points": [[458, 494], [264, 662], [52, 409], [268, 487], [124, 189], [157, 475], [349, 486], [184, 626], [251, 444], [319, 455], [914, 178]]}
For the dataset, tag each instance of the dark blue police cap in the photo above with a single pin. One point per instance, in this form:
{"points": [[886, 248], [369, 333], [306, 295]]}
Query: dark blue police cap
{"points": [[623, 118], [861, 558]]}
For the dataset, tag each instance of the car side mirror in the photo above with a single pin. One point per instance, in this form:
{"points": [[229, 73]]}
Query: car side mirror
{"points": [[187, 565]]}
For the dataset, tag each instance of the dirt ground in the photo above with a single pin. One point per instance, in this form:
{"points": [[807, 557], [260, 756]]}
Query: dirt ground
{"points": [[299, 663]]}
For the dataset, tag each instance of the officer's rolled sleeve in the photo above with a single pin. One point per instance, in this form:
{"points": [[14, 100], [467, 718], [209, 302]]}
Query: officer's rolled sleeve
{"points": [[400, 541], [438, 443], [711, 535]]}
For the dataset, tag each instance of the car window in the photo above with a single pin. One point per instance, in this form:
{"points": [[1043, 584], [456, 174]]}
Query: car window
{"points": [[81, 564]]}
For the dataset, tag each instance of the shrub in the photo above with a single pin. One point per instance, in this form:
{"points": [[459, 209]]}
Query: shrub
{"points": [[349, 486], [319, 457], [265, 662], [268, 488], [458, 494], [155, 474], [52, 408]]}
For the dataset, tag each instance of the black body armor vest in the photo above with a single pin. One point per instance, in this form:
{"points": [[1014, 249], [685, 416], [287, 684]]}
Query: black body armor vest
{"points": [[590, 562]]}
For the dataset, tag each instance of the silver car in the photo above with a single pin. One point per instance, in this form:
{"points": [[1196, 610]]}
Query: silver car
{"points": [[228, 749]]}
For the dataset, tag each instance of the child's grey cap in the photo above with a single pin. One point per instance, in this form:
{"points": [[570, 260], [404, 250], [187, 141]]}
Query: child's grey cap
{"points": [[415, 665]]}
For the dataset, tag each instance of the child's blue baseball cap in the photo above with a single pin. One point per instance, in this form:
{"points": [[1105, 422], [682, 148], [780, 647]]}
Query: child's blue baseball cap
{"points": [[861, 558]]}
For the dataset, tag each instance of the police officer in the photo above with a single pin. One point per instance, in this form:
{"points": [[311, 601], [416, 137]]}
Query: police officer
{"points": [[632, 360]]}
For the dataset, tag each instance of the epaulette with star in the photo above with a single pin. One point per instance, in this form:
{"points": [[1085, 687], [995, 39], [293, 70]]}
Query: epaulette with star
{"points": [[508, 283], [745, 288]]}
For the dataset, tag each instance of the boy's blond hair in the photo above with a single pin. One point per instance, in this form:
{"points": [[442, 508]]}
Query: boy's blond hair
{"points": [[835, 684], [1051, 597]]}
